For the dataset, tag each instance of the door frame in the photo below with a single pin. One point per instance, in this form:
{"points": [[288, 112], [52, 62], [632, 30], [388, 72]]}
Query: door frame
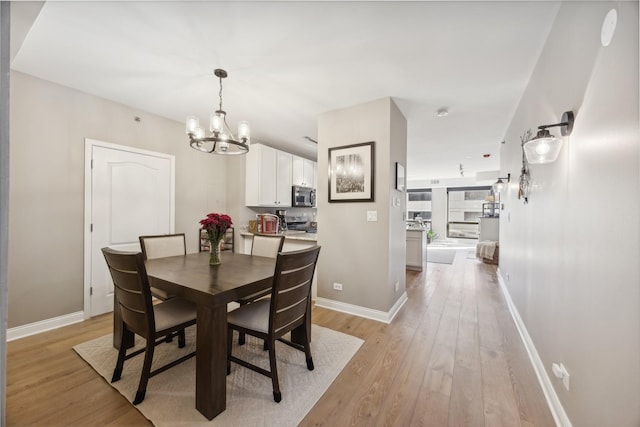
{"points": [[88, 203]]}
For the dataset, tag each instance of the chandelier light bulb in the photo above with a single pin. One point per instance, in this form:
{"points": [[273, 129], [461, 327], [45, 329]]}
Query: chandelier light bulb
{"points": [[192, 124], [217, 122], [244, 131]]}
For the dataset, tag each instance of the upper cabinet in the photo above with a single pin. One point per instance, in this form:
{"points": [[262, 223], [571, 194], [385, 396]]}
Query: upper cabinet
{"points": [[268, 177], [303, 172]]}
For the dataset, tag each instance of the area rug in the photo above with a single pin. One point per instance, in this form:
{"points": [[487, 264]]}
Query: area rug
{"points": [[441, 256], [170, 397]]}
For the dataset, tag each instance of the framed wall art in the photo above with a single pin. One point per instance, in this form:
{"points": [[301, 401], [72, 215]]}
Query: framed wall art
{"points": [[400, 180], [351, 173]]}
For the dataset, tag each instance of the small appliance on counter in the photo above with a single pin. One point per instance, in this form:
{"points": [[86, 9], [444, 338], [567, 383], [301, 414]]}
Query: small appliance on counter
{"points": [[269, 223], [299, 223], [281, 213]]}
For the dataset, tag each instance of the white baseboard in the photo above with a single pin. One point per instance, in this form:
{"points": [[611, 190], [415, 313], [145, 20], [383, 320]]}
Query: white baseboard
{"points": [[368, 313], [44, 325], [557, 410]]}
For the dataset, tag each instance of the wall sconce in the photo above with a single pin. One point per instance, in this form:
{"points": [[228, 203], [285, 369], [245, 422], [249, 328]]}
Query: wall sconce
{"points": [[499, 184], [544, 148]]}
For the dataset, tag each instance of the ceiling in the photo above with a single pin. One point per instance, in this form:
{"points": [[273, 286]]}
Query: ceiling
{"points": [[289, 62]]}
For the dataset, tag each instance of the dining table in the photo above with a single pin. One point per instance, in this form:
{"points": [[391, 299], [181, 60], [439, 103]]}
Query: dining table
{"points": [[211, 288]]}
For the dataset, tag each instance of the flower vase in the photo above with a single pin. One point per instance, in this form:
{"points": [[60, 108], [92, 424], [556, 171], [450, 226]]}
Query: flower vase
{"points": [[214, 252]]}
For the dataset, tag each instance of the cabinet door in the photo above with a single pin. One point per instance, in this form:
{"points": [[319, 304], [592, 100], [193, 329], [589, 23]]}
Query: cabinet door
{"points": [[268, 171], [308, 173], [414, 252], [315, 175], [297, 171], [283, 184], [303, 172]]}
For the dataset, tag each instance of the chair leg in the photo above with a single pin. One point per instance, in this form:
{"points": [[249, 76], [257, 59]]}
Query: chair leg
{"points": [[307, 350], [277, 396], [229, 345], [169, 338], [122, 352], [146, 370], [181, 339], [241, 335]]}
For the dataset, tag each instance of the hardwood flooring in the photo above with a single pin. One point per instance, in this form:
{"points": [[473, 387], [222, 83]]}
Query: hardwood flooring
{"points": [[451, 357]]}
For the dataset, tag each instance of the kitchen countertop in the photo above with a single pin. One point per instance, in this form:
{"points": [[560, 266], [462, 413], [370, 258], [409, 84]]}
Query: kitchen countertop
{"points": [[293, 235]]}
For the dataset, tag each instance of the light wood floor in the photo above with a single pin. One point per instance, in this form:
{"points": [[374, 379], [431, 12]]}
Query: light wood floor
{"points": [[452, 357]]}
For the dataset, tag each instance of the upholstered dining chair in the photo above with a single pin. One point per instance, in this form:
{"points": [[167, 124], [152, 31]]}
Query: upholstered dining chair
{"points": [[266, 245], [287, 309], [160, 246], [153, 322]]}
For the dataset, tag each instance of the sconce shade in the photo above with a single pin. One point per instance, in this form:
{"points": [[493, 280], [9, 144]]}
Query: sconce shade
{"points": [[544, 148], [499, 185]]}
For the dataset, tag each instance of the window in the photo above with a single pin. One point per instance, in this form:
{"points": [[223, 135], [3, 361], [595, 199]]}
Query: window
{"points": [[465, 207], [419, 204]]}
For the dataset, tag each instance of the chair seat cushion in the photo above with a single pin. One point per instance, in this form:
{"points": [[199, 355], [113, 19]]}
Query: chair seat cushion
{"points": [[254, 316], [173, 312]]}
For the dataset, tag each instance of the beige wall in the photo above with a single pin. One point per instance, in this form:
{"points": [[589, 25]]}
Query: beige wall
{"points": [[570, 257], [366, 257], [48, 126]]}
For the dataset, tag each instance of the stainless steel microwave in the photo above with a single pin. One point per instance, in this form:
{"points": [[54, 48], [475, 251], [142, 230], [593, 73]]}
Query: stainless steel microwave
{"points": [[303, 197]]}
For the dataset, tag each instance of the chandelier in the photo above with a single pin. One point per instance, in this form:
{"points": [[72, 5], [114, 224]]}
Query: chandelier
{"points": [[221, 139]]}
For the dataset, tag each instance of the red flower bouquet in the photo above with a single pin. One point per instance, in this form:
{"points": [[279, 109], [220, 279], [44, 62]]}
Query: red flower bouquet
{"points": [[215, 225]]}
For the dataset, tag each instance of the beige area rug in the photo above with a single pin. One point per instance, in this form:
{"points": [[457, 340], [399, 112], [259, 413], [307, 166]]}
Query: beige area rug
{"points": [[441, 256], [170, 398]]}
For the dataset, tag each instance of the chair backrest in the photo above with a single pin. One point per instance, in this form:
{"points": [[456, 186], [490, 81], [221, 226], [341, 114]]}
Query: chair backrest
{"points": [[267, 245], [131, 287], [163, 245], [292, 289]]}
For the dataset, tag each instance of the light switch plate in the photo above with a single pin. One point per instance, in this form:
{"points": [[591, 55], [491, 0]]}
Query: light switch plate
{"points": [[372, 216]]}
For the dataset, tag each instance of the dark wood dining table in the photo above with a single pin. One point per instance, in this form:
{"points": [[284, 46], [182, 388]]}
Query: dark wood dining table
{"points": [[211, 288]]}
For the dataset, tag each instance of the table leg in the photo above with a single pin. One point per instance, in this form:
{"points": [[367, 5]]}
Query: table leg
{"points": [[211, 360]]}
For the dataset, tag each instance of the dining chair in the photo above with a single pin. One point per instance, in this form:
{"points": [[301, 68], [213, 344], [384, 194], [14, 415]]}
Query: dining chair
{"points": [[287, 309], [266, 245], [160, 246], [153, 322]]}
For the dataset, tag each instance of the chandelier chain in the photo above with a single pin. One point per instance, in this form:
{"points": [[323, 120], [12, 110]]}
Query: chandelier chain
{"points": [[220, 93]]}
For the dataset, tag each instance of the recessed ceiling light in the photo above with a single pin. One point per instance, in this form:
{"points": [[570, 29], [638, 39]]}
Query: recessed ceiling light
{"points": [[442, 112]]}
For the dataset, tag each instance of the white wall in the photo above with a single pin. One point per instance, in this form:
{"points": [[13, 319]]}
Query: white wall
{"points": [[439, 212], [366, 257], [48, 125], [569, 258]]}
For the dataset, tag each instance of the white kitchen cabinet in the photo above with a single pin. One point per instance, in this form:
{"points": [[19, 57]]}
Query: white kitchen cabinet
{"points": [[268, 177], [489, 229], [416, 249], [315, 175], [303, 171]]}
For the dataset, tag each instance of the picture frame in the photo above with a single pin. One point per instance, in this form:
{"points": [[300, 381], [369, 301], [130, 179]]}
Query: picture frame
{"points": [[352, 173], [400, 177]]}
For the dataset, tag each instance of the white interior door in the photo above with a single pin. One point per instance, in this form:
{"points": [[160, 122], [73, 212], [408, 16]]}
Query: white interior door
{"points": [[131, 194]]}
